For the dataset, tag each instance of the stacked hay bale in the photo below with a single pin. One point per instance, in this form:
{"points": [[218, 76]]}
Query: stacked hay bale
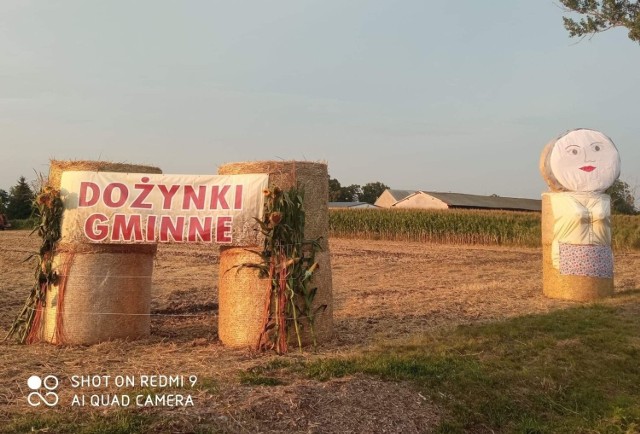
{"points": [[242, 293], [578, 166], [104, 290], [566, 286]]}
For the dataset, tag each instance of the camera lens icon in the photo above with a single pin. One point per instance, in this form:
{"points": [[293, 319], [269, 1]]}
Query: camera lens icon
{"points": [[50, 384], [34, 382]]}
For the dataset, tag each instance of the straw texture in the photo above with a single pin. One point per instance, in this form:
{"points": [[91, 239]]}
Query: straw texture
{"points": [[105, 290], [242, 296], [57, 167], [545, 168], [241, 314], [107, 296], [567, 287]]}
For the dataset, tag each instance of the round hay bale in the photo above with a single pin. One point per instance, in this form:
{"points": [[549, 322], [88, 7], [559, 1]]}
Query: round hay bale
{"points": [[104, 291], [241, 314], [566, 287], [242, 297], [545, 167], [106, 296], [57, 167], [562, 158]]}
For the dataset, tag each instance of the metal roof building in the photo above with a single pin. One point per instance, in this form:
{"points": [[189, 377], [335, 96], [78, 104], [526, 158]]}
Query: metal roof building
{"points": [[351, 205], [438, 200]]}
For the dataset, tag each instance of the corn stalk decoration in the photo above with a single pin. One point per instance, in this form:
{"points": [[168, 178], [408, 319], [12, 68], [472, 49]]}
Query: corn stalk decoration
{"points": [[288, 262], [48, 209]]}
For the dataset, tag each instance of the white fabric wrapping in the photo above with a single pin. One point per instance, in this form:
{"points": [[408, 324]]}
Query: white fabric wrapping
{"points": [[579, 218], [585, 160]]}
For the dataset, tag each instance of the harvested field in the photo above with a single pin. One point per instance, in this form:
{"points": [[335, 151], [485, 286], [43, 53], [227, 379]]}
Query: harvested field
{"points": [[381, 290]]}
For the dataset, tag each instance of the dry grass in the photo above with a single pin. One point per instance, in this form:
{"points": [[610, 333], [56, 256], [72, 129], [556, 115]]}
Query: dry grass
{"points": [[381, 289]]}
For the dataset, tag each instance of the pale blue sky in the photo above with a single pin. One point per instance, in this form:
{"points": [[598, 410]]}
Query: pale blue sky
{"points": [[419, 94]]}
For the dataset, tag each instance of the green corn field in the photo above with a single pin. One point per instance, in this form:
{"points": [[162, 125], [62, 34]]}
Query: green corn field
{"points": [[461, 227]]}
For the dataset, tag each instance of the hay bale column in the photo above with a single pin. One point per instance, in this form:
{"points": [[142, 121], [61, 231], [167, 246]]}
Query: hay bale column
{"points": [[242, 294], [570, 285], [106, 288], [576, 215]]}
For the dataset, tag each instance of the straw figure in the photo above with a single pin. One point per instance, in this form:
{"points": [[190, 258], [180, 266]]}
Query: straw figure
{"points": [[578, 166]]}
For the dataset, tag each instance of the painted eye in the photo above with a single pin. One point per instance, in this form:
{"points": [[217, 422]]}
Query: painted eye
{"points": [[596, 147], [572, 150]]}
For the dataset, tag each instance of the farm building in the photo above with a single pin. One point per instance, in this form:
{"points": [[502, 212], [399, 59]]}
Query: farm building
{"points": [[351, 205], [436, 200], [390, 197]]}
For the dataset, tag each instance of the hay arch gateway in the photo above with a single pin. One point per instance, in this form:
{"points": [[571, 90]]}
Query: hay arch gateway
{"points": [[114, 216]]}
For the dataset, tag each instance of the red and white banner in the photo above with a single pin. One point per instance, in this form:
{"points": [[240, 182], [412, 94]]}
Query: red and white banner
{"points": [[128, 208]]}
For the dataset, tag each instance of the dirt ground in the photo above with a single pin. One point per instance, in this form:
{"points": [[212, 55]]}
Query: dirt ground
{"points": [[381, 290]]}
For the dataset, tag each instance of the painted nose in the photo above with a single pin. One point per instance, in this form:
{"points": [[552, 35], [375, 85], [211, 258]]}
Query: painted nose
{"points": [[589, 155]]}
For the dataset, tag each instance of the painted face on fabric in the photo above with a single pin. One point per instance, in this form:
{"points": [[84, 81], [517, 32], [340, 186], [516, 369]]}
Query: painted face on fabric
{"points": [[585, 160]]}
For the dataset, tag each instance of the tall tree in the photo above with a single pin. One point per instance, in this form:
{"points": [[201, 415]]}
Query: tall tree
{"points": [[622, 199], [334, 190], [338, 193], [598, 16], [4, 201], [372, 191], [20, 200], [350, 194]]}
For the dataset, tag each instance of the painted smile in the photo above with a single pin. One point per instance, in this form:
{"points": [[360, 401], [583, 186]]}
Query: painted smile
{"points": [[588, 168]]}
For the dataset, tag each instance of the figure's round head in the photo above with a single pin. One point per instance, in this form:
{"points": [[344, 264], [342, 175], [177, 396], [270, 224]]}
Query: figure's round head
{"points": [[580, 160]]}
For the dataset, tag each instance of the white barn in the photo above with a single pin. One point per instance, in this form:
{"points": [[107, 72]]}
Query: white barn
{"points": [[390, 197], [436, 200]]}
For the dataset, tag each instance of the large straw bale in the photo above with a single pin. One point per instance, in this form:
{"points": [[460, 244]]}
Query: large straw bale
{"points": [[545, 168], [107, 296], [567, 287], [106, 287], [241, 315], [242, 298], [57, 167]]}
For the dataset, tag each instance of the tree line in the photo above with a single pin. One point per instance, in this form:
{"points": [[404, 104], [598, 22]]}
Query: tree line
{"points": [[369, 192], [17, 203]]}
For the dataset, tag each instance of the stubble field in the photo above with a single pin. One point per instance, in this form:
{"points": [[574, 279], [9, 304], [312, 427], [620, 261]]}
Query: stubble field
{"points": [[382, 291]]}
